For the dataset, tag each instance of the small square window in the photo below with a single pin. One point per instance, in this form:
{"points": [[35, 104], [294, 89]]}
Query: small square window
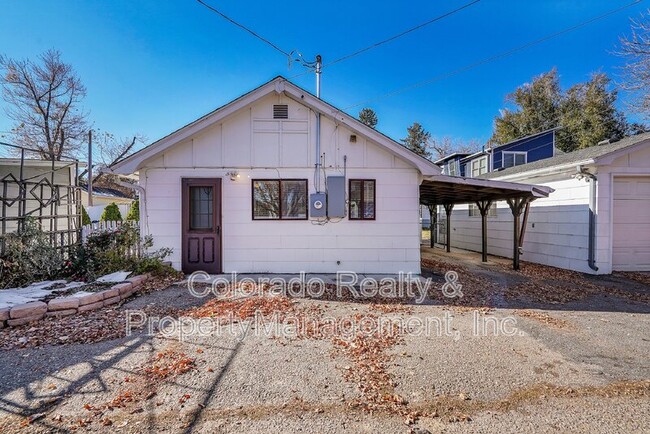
{"points": [[362, 199]]}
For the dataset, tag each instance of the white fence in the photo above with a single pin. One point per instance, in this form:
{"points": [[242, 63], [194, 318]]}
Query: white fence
{"points": [[112, 226]]}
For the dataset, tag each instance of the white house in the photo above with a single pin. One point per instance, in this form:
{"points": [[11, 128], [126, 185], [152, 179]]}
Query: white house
{"points": [[280, 181], [596, 221], [248, 170]]}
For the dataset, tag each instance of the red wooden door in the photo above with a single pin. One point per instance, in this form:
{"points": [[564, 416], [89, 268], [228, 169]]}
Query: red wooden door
{"points": [[201, 225]]}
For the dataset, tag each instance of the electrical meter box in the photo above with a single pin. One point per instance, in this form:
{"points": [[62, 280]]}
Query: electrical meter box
{"points": [[336, 196], [317, 205]]}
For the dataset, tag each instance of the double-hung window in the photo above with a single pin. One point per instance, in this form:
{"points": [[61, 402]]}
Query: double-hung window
{"points": [[279, 199], [362, 199], [479, 166]]}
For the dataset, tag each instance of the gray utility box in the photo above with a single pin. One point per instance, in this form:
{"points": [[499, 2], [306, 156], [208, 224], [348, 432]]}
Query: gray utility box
{"points": [[336, 196], [317, 205]]}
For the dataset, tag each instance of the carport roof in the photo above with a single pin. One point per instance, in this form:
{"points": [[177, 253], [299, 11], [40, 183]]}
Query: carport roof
{"points": [[442, 190]]}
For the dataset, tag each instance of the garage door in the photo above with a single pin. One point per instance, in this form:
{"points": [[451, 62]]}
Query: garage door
{"points": [[631, 235]]}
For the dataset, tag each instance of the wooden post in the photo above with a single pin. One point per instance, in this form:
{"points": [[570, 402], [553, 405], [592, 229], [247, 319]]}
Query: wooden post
{"points": [[90, 168], [484, 207], [433, 222], [448, 209], [516, 206]]}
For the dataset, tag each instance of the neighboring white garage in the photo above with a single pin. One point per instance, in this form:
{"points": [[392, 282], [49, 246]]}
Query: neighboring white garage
{"points": [[613, 178], [631, 224]]}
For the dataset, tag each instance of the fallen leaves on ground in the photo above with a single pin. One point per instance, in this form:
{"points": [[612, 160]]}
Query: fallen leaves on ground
{"points": [[543, 317], [84, 328], [164, 366]]}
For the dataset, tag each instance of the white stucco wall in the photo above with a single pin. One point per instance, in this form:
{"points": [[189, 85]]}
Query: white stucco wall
{"points": [[257, 146]]}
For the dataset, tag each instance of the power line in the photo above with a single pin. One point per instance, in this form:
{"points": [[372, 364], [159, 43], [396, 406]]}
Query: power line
{"points": [[243, 27], [399, 35], [495, 57]]}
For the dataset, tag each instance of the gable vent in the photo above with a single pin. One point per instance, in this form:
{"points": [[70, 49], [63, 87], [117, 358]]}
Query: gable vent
{"points": [[280, 111]]}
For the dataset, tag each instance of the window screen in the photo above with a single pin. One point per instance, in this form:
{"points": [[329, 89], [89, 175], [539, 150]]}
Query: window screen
{"points": [[279, 199], [362, 199], [514, 159]]}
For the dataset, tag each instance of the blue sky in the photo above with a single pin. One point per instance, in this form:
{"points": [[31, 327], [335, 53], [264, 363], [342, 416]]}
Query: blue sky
{"points": [[152, 66]]}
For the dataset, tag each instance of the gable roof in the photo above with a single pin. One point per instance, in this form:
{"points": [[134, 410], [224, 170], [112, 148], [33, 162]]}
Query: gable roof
{"points": [[450, 156], [278, 85], [599, 154]]}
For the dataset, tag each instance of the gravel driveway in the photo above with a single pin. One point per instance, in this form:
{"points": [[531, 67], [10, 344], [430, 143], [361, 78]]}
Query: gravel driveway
{"points": [[580, 365]]}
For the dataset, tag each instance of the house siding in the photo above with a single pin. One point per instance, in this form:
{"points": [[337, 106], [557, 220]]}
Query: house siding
{"points": [[255, 145], [556, 232], [537, 148]]}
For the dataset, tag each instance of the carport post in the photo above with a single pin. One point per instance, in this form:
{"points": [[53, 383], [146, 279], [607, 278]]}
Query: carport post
{"points": [[484, 207], [448, 209], [517, 205], [433, 222]]}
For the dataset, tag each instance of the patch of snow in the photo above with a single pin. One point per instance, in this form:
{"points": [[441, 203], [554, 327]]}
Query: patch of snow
{"points": [[118, 276]]}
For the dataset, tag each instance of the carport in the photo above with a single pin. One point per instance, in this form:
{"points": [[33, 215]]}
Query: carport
{"points": [[452, 190]]}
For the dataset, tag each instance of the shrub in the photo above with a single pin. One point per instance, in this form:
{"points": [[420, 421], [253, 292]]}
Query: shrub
{"points": [[116, 250], [134, 211], [85, 218], [29, 257], [111, 213]]}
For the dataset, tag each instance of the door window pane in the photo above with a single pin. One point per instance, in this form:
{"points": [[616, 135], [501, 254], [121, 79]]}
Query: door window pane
{"points": [[201, 207]]}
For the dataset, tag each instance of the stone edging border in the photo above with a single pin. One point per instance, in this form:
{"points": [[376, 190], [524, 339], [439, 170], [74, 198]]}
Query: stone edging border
{"points": [[64, 306]]}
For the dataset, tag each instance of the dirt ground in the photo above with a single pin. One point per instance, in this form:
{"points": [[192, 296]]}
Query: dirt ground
{"points": [[541, 350]]}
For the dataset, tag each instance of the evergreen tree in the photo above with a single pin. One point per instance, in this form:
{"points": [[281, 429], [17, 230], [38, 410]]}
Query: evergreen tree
{"points": [[417, 140], [369, 117], [134, 211], [85, 218], [111, 213], [586, 112], [537, 109]]}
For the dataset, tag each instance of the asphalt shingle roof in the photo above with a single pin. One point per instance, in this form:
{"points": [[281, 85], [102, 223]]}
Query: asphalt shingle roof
{"points": [[570, 157]]}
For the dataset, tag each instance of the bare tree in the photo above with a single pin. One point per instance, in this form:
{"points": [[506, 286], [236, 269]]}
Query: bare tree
{"points": [[635, 48], [44, 100], [110, 150], [447, 146]]}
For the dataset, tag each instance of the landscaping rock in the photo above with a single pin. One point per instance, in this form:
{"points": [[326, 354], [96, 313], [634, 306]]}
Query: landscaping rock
{"points": [[123, 287], [4, 313], [92, 306], [112, 300], [63, 303], [59, 313], [137, 280], [25, 320], [28, 310], [90, 299], [111, 293]]}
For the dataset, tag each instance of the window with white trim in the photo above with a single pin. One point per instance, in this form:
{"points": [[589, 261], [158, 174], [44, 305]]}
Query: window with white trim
{"points": [[512, 158], [453, 168], [479, 166], [474, 211]]}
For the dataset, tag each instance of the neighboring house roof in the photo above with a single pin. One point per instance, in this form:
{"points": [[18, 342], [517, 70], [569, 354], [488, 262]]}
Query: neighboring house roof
{"points": [[278, 85], [526, 138], [450, 156], [106, 192], [598, 154]]}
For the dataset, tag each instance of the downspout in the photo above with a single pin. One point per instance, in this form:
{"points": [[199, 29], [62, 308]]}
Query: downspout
{"points": [[592, 222], [592, 179]]}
